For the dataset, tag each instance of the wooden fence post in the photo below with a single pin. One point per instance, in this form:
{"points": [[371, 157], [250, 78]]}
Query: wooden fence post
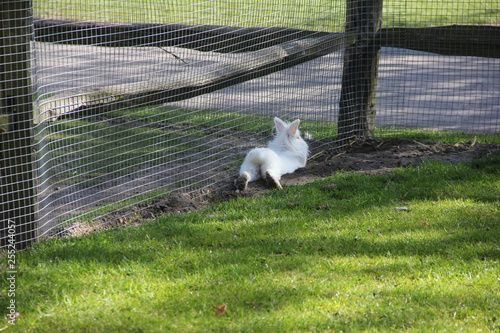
{"points": [[17, 191], [359, 78]]}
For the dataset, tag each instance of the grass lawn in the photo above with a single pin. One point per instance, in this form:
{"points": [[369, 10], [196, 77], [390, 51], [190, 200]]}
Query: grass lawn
{"points": [[331, 255], [88, 153], [323, 15]]}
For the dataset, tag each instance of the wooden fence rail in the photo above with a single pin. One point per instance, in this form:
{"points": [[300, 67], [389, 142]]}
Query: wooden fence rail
{"points": [[267, 50], [457, 40], [196, 81]]}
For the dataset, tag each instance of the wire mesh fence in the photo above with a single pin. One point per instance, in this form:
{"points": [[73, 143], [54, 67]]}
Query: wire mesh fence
{"points": [[125, 102]]}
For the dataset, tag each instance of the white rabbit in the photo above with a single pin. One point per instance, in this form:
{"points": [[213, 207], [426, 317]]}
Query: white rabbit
{"points": [[285, 153]]}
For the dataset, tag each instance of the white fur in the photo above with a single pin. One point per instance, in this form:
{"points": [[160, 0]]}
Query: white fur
{"points": [[285, 153]]}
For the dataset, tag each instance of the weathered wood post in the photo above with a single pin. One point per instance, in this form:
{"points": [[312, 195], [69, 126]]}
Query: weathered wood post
{"points": [[17, 191], [359, 78]]}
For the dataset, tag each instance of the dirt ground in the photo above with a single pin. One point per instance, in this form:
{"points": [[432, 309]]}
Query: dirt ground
{"points": [[366, 156]]}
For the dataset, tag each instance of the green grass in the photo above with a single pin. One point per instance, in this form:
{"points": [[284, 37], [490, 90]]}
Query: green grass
{"points": [[197, 118], [311, 258], [89, 153], [323, 15], [445, 137], [246, 123], [102, 152], [210, 119]]}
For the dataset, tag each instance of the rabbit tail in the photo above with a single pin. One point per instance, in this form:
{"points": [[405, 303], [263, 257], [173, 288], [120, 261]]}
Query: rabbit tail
{"points": [[260, 163]]}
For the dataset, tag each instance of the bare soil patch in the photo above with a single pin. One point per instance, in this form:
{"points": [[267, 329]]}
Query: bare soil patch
{"points": [[366, 156]]}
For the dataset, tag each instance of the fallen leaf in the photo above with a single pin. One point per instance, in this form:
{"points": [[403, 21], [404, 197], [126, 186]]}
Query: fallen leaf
{"points": [[220, 310], [251, 304]]}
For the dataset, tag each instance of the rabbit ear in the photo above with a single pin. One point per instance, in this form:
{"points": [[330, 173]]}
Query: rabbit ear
{"points": [[294, 127], [280, 125]]}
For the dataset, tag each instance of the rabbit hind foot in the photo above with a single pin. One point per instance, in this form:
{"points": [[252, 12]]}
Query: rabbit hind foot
{"points": [[242, 181], [272, 182]]}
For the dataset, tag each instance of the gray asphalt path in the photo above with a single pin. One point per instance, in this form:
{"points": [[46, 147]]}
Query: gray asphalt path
{"points": [[415, 89]]}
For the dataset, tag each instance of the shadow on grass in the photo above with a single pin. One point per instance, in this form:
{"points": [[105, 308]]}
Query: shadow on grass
{"points": [[318, 219], [332, 257]]}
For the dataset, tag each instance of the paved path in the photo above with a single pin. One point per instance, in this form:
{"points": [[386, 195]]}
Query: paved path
{"points": [[415, 89]]}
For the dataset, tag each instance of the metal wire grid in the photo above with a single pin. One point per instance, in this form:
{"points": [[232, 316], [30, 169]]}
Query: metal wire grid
{"points": [[123, 158], [17, 196], [427, 91], [154, 150], [438, 93]]}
